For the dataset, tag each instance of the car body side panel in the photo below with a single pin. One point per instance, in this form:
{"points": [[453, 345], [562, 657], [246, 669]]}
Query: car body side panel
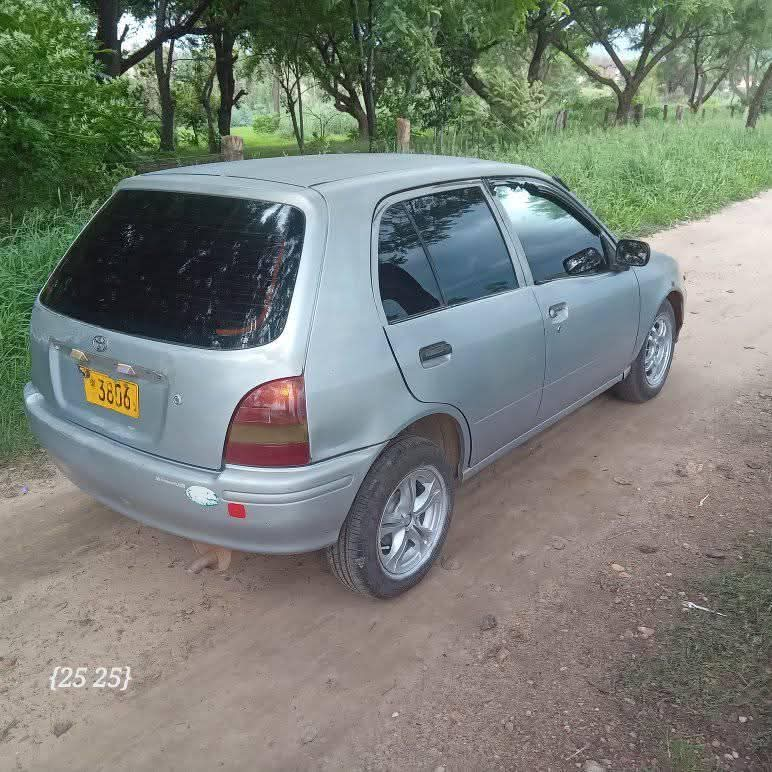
{"points": [[657, 280], [355, 391]]}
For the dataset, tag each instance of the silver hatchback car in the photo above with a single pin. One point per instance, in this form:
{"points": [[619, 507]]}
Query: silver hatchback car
{"points": [[293, 354]]}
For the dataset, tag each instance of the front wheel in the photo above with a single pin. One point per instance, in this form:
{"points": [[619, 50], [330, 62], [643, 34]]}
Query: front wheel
{"points": [[398, 522], [650, 369]]}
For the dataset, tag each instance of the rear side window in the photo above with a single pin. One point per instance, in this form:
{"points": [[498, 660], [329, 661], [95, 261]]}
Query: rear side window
{"points": [[408, 286], [464, 244], [198, 270]]}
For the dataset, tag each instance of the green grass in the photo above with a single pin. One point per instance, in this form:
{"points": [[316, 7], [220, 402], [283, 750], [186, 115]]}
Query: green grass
{"points": [[637, 179], [28, 251], [708, 669]]}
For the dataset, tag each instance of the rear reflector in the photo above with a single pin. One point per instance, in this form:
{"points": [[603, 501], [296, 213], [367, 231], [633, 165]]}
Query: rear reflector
{"points": [[237, 510], [269, 426]]}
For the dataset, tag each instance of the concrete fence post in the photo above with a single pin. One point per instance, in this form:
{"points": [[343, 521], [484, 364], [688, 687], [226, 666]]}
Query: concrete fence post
{"points": [[679, 113], [664, 112], [232, 148]]}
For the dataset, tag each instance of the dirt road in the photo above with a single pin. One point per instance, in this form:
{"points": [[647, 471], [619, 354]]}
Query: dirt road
{"points": [[274, 665]]}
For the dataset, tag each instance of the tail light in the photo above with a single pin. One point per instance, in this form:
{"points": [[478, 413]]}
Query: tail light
{"points": [[269, 426]]}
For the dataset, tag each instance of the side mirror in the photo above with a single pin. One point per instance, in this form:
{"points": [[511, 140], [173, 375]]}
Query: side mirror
{"points": [[632, 252], [586, 261]]}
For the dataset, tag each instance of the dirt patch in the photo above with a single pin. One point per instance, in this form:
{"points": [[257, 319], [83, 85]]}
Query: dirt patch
{"points": [[274, 664], [19, 477]]}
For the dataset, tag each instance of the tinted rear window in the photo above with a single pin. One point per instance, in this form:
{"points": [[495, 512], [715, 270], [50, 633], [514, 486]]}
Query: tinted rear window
{"points": [[198, 270]]}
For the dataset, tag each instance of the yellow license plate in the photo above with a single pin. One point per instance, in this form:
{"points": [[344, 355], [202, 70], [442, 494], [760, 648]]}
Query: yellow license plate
{"points": [[102, 390]]}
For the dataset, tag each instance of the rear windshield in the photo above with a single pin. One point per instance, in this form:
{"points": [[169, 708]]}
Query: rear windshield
{"points": [[199, 270]]}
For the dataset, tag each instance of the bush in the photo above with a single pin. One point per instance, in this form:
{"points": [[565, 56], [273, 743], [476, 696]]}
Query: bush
{"points": [[266, 124], [62, 127]]}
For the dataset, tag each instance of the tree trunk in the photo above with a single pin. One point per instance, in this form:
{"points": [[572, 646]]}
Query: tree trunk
{"points": [[299, 87], [206, 102], [108, 45], [163, 74], [361, 118], [536, 67], [754, 109], [625, 103], [167, 102], [223, 41], [276, 93]]}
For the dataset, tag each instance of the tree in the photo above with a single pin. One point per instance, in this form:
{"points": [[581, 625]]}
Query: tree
{"points": [[355, 48], [757, 101], [713, 53], [760, 12], [281, 47], [225, 22], [543, 24], [164, 62], [61, 128], [654, 28], [110, 41], [195, 84], [717, 45]]}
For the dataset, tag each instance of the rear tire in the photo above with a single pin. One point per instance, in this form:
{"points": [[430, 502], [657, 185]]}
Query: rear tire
{"points": [[387, 521], [649, 371]]}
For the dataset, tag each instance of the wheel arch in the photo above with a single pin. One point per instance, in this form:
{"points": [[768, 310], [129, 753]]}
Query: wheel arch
{"points": [[677, 302], [448, 430]]}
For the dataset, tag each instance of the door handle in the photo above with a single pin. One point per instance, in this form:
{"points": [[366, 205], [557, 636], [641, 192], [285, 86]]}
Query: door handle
{"points": [[432, 354], [558, 313]]}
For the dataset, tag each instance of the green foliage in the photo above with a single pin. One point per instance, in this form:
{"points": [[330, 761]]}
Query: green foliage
{"points": [[60, 127], [266, 124], [514, 104], [28, 252]]}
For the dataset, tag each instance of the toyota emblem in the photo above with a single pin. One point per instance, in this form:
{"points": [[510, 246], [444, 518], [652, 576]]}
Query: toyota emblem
{"points": [[100, 343]]}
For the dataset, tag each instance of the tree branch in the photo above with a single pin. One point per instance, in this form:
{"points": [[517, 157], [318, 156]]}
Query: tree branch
{"points": [[171, 33], [596, 76]]}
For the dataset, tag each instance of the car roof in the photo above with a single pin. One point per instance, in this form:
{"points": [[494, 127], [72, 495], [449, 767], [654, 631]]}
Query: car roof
{"points": [[317, 170]]}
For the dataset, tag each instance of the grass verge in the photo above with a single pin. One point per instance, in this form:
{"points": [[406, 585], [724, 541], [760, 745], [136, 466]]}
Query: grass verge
{"points": [[28, 251], [637, 179], [710, 677]]}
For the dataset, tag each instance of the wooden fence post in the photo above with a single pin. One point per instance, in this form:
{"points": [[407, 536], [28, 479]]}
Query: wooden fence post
{"points": [[232, 148], [664, 112], [608, 118], [679, 113], [731, 111], [403, 135], [561, 119], [638, 113]]}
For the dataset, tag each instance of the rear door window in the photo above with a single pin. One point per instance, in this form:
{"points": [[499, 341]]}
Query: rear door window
{"points": [[198, 270], [464, 244]]}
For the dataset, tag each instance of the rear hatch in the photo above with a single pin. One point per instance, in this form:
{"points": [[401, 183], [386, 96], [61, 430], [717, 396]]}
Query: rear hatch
{"points": [[167, 309]]}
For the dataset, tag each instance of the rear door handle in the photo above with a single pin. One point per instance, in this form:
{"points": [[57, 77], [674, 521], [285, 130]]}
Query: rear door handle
{"points": [[435, 354], [558, 313]]}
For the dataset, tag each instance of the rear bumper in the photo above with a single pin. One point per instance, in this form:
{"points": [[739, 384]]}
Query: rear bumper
{"points": [[287, 510]]}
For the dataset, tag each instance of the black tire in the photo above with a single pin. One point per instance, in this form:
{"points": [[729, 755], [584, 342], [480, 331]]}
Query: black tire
{"points": [[635, 387], [354, 558]]}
